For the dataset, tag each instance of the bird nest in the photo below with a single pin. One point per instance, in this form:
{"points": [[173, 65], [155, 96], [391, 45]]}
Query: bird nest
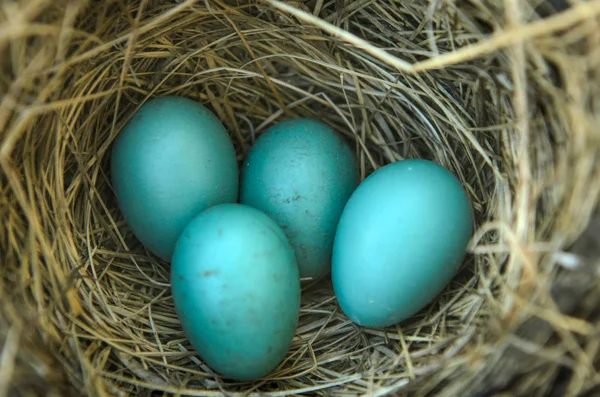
{"points": [[505, 94]]}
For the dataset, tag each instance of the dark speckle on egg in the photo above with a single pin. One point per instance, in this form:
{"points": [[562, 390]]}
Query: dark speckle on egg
{"points": [[210, 273]]}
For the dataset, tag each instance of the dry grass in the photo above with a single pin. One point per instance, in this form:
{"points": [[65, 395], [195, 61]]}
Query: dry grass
{"points": [[506, 100]]}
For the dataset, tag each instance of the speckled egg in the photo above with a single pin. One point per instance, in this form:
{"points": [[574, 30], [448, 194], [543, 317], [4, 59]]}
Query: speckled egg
{"points": [[301, 174], [236, 290], [402, 236], [171, 161]]}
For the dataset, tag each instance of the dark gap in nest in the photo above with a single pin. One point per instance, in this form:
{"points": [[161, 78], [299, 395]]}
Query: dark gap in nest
{"points": [[551, 7]]}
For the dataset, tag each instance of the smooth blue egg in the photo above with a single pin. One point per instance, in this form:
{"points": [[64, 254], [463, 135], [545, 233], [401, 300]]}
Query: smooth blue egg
{"points": [[402, 236], [172, 160], [236, 290], [301, 174]]}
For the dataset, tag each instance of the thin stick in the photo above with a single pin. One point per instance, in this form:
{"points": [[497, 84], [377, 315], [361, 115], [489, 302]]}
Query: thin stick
{"points": [[577, 13]]}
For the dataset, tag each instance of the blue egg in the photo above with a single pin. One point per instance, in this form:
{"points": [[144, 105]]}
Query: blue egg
{"points": [[301, 174], [402, 236], [171, 161], [236, 290]]}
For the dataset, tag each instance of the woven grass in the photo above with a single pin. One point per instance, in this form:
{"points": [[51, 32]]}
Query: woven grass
{"points": [[505, 94]]}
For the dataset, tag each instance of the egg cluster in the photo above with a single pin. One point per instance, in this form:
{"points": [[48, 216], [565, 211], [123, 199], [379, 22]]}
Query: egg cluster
{"points": [[392, 243]]}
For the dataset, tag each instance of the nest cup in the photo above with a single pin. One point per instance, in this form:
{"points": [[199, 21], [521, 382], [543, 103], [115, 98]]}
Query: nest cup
{"points": [[505, 94]]}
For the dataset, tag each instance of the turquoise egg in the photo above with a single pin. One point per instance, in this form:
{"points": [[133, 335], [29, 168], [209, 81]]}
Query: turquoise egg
{"points": [[171, 161], [301, 174], [236, 290], [402, 236]]}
